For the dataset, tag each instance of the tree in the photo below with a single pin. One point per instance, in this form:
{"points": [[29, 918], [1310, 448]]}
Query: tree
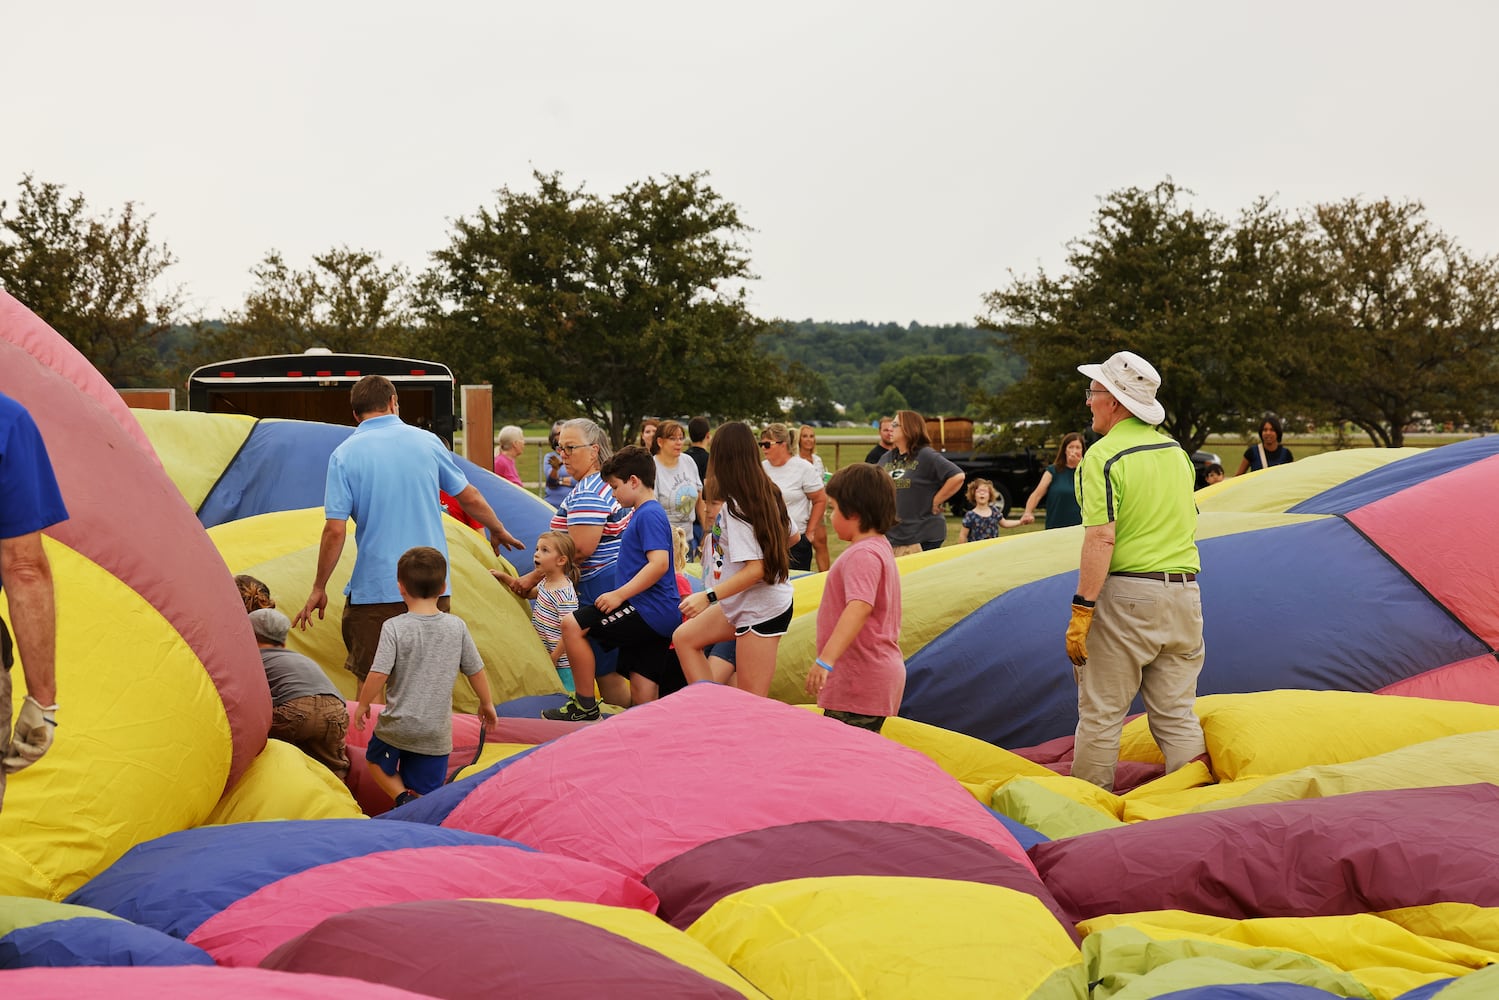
{"points": [[345, 302], [94, 278], [1209, 304], [888, 401], [933, 383], [1406, 322], [624, 306]]}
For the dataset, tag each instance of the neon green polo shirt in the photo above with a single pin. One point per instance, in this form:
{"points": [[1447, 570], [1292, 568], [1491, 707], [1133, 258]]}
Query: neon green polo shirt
{"points": [[1141, 480]]}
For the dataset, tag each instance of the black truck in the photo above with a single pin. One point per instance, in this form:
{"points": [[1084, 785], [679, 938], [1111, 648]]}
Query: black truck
{"points": [[1016, 472]]}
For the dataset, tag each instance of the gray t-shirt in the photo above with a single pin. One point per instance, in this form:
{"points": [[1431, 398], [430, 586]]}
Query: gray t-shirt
{"points": [[423, 655], [292, 675], [917, 481]]}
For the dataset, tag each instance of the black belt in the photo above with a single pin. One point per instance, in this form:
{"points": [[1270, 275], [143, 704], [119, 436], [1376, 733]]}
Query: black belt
{"points": [[1162, 577]]}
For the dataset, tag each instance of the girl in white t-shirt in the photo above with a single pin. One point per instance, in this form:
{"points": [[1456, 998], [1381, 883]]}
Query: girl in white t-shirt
{"points": [[745, 568]]}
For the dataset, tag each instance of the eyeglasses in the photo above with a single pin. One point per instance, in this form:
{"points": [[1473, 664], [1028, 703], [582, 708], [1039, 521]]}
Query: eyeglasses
{"points": [[568, 449], [1088, 394], [765, 445]]}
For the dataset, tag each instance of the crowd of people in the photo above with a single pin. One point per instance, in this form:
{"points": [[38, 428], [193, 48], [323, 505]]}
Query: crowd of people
{"points": [[611, 603]]}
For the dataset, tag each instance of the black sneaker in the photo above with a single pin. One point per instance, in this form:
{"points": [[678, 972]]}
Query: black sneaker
{"points": [[406, 796], [573, 711]]}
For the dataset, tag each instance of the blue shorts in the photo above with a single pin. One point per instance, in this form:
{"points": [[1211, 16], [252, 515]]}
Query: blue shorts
{"points": [[421, 772]]}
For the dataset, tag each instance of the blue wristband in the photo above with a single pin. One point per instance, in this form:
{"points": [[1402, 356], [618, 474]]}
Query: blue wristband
{"points": [[826, 666]]}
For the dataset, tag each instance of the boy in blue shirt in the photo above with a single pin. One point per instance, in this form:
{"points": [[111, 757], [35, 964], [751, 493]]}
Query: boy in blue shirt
{"points": [[639, 616]]}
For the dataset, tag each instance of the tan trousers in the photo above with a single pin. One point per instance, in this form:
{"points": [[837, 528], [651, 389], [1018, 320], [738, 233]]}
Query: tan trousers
{"points": [[1146, 637]]}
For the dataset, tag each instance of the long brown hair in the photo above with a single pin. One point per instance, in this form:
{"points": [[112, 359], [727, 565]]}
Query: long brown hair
{"points": [[913, 425], [748, 494], [1060, 462]]}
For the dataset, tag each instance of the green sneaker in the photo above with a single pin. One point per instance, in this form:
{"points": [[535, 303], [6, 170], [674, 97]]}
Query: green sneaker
{"points": [[573, 711]]}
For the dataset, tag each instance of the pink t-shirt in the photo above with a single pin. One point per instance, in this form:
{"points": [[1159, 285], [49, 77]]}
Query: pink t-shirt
{"points": [[504, 467], [870, 677]]}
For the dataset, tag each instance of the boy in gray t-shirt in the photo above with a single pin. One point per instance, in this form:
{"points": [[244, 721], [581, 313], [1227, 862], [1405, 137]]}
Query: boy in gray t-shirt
{"points": [[419, 657]]}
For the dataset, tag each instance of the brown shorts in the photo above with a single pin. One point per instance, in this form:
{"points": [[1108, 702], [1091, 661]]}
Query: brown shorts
{"points": [[361, 630], [316, 725]]}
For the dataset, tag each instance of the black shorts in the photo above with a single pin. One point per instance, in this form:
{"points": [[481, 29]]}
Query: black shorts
{"points": [[642, 650], [771, 627]]}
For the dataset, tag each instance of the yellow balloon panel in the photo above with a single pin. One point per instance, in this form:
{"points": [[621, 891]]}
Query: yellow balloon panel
{"points": [[195, 448], [1282, 487], [143, 743], [285, 783], [281, 549], [1382, 956], [979, 766], [892, 937]]}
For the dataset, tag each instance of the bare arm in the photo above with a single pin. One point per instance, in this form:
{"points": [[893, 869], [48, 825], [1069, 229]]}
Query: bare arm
{"points": [[951, 486], [330, 548], [476, 507], [819, 506], [850, 621], [748, 575], [1243, 467], [1037, 495], [657, 561], [1098, 550], [33, 613]]}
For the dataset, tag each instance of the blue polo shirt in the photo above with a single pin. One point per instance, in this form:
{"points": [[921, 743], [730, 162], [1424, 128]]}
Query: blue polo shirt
{"points": [[29, 497], [386, 476]]}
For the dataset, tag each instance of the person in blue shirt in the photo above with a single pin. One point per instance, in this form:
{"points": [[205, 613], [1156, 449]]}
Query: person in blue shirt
{"points": [[640, 614], [30, 500], [387, 476]]}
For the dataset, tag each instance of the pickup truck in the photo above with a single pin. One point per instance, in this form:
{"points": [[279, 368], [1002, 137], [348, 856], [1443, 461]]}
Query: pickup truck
{"points": [[1016, 473]]}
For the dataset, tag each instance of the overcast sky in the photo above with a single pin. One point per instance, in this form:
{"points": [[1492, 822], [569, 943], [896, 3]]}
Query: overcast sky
{"points": [[896, 160]]}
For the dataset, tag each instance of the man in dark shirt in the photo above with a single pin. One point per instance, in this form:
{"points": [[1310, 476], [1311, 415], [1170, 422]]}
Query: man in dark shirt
{"points": [[887, 441], [697, 434]]}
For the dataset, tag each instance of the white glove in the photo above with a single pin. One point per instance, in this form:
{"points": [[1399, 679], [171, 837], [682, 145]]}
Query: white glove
{"points": [[32, 735]]}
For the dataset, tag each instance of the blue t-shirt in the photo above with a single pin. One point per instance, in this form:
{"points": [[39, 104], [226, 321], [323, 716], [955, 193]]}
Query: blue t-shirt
{"points": [[1280, 456], [649, 530], [29, 497], [387, 476]]}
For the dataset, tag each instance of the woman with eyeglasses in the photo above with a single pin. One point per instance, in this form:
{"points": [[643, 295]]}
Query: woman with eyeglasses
{"points": [[594, 521], [800, 486], [924, 480], [817, 530], [679, 488]]}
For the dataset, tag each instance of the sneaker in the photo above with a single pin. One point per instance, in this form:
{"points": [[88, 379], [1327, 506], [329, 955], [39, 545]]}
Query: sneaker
{"points": [[407, 796], [572, 711]]}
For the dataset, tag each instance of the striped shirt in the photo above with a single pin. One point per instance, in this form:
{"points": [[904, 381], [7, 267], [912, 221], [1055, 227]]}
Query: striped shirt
{"points": [[592, 504], [547, 612]]}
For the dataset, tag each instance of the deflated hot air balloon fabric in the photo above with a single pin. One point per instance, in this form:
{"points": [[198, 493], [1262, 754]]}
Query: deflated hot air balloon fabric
{"points": [[156, 665], [1335, 842]]}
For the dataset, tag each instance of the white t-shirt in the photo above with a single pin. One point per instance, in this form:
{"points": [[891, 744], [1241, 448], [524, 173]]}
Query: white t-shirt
{"points": [[730, 545], [797, 480], [677, 490]]}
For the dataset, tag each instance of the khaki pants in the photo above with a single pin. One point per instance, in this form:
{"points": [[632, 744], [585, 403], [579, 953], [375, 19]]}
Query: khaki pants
{"points": [[1146, 637], [316, 725]]}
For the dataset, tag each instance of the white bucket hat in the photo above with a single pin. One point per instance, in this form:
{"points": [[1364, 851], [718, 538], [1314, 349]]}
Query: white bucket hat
{"points": [[1131, 380]]}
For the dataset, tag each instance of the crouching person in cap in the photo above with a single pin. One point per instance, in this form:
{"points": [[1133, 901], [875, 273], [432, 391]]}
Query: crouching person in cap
{"points": [[1137, 617], [308, 713]]}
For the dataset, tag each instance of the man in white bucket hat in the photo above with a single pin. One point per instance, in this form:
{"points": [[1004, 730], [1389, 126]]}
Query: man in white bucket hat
{"points": [[1137, 616]]}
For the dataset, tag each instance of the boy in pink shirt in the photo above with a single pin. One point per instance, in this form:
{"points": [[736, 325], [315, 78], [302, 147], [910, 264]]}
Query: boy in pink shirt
{"points": [[860, 675]]}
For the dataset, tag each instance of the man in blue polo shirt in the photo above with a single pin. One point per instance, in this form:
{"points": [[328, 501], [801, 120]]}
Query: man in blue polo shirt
{"points": [[386, 476], [29, 502], [1137, 616]]}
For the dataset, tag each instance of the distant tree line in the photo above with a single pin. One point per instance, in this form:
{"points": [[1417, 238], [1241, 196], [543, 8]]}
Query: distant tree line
{"points": [[1350, 312], [633, 304], [872, 369]]}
